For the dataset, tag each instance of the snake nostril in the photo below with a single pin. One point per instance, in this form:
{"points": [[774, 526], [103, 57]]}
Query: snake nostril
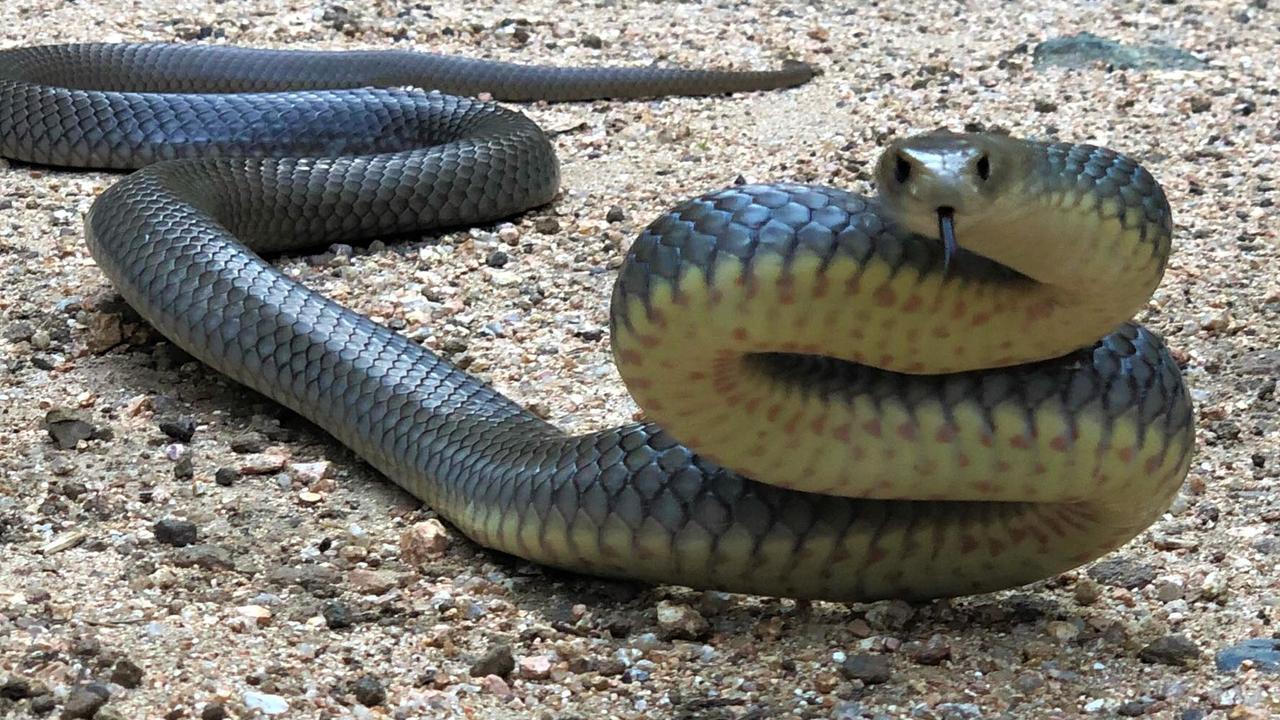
{"points": [[902, 170], [983, 167]]}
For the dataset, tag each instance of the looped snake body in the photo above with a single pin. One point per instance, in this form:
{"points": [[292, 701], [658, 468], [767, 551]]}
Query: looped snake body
{"points": [[920, 420]]}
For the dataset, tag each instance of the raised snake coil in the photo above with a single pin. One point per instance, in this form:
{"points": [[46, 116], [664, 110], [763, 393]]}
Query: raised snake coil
{"points": [[801, 335]]}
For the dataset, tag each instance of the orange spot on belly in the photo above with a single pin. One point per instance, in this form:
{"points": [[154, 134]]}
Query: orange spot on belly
{"points": [[1040, 310], [772, 413], [962, 460], [817, 425], [1020, 441], [912, 304], [884, 296], [967, 544], [872, 427], [980, 319], [907, 431], [1152, 464], [649, 340], [841, 433], [1059, 443], [1125, 454], [941, 333], [697, 376], [740, 334], [946, 433], [631, 357], [984, 486]]}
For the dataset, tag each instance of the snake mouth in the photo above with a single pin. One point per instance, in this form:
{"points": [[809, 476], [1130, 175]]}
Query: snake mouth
{"points": [[947, 231]]}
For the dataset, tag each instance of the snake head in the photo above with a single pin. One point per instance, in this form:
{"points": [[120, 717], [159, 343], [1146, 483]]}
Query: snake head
{"points": [[942, 184]]}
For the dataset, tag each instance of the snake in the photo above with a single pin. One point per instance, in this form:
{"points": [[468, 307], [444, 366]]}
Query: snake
{"points": [[935, 390]]}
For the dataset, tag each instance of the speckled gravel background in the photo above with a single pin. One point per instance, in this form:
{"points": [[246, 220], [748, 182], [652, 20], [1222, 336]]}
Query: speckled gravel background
{"points": [[180, 548]]}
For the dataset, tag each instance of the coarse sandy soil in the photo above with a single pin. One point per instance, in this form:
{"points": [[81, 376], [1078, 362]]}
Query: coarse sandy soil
{"points": [[299, 595]]}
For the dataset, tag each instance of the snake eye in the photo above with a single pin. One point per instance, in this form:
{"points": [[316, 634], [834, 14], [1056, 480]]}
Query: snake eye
{"points": [[983, 167], [902, 170]]}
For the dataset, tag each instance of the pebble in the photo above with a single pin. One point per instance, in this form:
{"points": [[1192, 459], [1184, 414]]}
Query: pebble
{"points": [[369, 691], [933, 652], [248, 443], [890, 615], [338, 616], [1123, 573], [16, 687], [1062, 631], [178, 533], [958, 711], [213, 711], [209, 557], [310, 473], [535, 667], [1134, 708], [263, 464], [1170, 650], [42, 704], [372, 582], [497, 259], [265, 703], [615, 214], [126, 674], [226, 476], [67, 428], [181, 429], [681, 622], [870, 669], [258, 614], [496, 685], [547, 225], [424, 541], [1169, 588], [85, 701], [1262, 653], [509, 234], [497, 661], [504, 278], [20, 331]]}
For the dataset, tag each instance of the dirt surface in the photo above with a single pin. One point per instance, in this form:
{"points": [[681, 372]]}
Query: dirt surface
{"points": [[315, 589]]}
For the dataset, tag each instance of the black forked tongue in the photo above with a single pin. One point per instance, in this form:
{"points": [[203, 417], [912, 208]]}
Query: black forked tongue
{"points": [[947, 229]]}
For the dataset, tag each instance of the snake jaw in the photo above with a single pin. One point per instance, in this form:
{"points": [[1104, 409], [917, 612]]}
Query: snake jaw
{"points": [[947, 230]]}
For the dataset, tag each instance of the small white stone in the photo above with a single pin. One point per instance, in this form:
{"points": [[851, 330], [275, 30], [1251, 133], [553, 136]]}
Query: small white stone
{"points": [[268, 704]]}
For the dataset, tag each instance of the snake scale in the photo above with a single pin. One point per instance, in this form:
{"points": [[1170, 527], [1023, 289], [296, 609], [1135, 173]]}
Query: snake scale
{"points": [[932, 392]]}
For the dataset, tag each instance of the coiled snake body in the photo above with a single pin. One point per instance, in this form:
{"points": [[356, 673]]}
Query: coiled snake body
{"points": [[931, 420]]}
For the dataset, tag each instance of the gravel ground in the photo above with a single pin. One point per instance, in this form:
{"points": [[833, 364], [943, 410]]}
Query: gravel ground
{"points": [[182, 548]]}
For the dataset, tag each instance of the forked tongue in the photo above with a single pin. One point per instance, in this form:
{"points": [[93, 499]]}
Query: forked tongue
{"points": [[947, 229]]}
